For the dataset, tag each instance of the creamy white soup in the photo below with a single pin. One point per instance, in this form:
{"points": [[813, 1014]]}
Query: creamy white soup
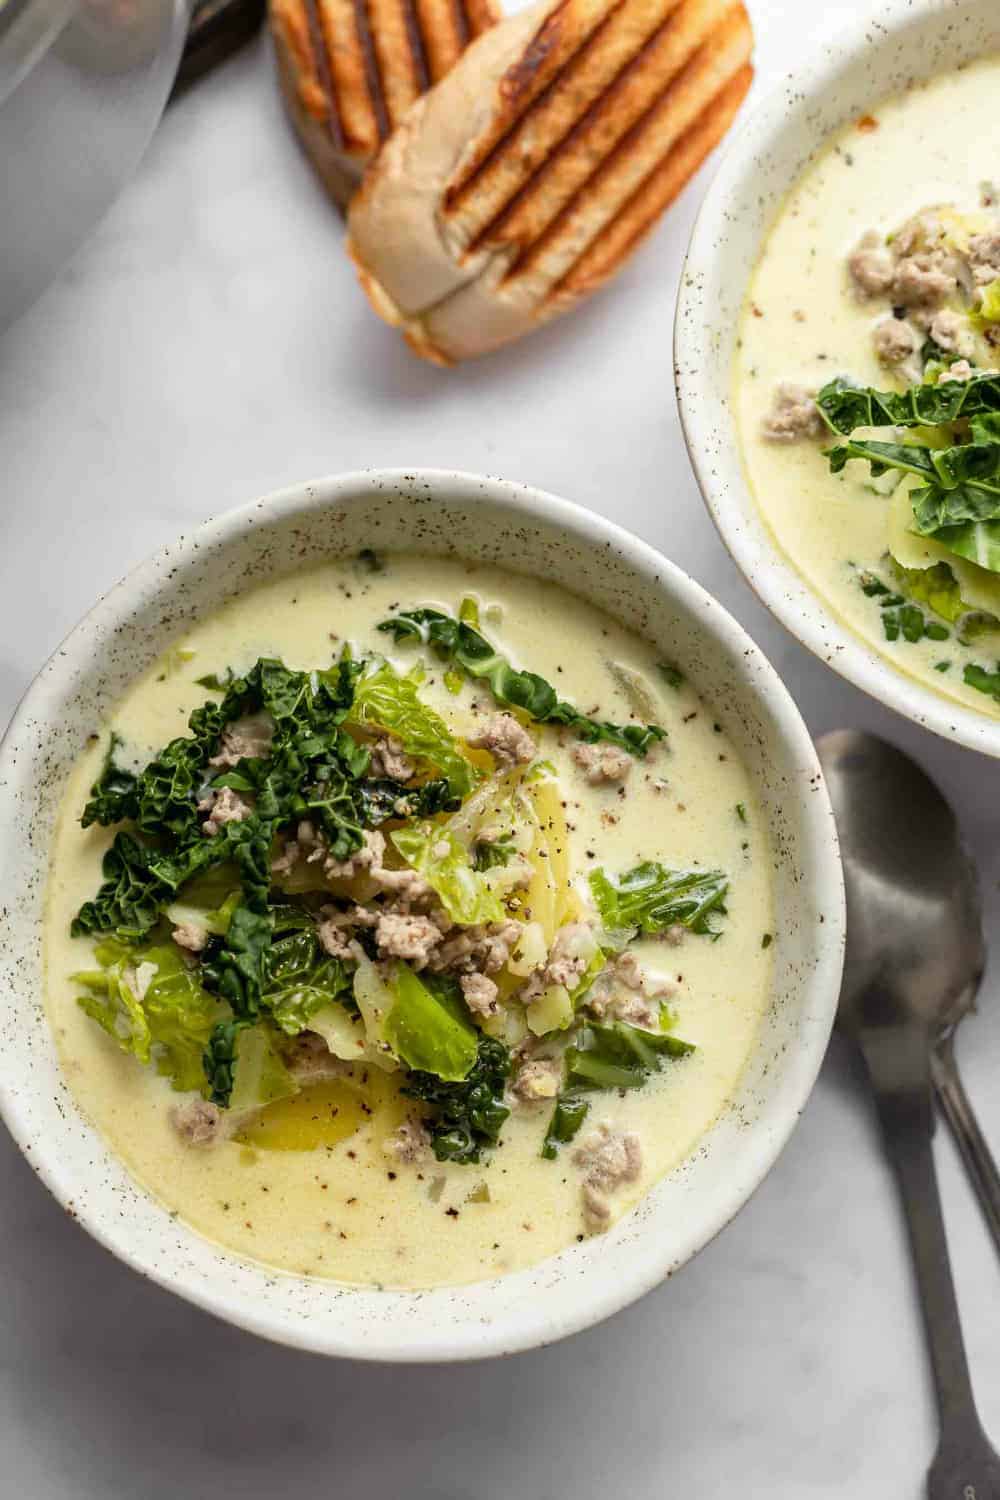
{"points": [[882, 272], [423, 951]]}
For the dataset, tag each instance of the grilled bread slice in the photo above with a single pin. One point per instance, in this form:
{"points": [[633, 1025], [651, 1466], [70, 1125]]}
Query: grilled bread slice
{"points": [[350, 69], [526, 178]]}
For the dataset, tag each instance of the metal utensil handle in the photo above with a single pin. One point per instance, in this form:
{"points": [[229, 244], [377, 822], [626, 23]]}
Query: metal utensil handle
{"points": [[958, 1111], [899, 1063]]}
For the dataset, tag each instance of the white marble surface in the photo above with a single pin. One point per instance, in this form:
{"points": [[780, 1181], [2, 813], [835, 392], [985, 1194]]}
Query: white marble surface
{"points": [[207, 346]]}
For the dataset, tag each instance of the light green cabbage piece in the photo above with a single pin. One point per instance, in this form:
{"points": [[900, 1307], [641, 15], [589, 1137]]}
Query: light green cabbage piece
{"points": [[444, 862], [215, 920], [384, 700], [979, 588], [979, 541], [427, 1030], [937, 587], [347, 1038], [172, 1022], [988, 311], [260, 1077]]}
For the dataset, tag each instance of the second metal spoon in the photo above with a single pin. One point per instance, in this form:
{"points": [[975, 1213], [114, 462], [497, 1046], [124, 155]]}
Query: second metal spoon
{"points": [[915, 957]]}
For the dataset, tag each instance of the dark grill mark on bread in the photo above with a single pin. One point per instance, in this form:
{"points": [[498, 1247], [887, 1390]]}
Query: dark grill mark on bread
{"points": [[526, 81], [321, 62], [464, 24], [642, 210], [373, 76], [628, 144], [603, 108], [418, 51]]}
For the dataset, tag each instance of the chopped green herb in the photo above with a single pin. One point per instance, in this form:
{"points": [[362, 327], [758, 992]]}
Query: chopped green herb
{"points": [[766, 940], [741, 811], [982, 680], [911, 623], [671, 675], [468, 612]]}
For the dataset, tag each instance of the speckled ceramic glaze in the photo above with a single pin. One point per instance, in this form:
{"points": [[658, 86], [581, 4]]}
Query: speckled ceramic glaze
{"points": [[488, 520], [900, 42]]}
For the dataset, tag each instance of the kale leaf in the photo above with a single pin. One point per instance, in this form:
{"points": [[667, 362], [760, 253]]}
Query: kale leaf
{"points": [[380, 798], [113, 795], [465, 1118], [308, 772], [491, 854], [238, 971], [455, 641], [138, 882], [958, 502], [570, 1111], [846, 407], [652, 898], [220, 1060], [619, 1056]]}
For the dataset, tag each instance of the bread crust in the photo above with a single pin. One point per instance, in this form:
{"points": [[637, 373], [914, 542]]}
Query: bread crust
{"points": [[349, 70], [525, 179]]}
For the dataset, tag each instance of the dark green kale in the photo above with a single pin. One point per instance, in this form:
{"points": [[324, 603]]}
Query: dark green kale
{"points": [[138, 882], [465, 1118], [570, 1111], [220, 1060], [286, 978], [380, 799], [312, 768], [958, 501], [113, 795], [302, 978], [846, 407], [489, 854], [455, 641], [238, 971], [309, 771], [619, 1056]]}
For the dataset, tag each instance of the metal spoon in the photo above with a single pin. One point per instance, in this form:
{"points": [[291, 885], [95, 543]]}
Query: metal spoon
{"points": [[914, 960]]}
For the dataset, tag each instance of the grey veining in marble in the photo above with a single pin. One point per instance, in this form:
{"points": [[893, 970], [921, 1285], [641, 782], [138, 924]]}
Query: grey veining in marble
{"points": [[208, 345]]}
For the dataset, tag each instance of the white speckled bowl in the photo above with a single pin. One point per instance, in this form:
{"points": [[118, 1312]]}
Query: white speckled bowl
{"points": [[483, 519], [895, 42]]}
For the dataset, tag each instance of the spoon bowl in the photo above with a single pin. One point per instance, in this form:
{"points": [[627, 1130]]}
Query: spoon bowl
{"points": [[915, 947]]}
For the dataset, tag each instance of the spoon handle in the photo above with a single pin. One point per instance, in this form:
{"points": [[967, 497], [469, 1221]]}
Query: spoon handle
{"points": [[958, 1111], [898, 1060]]}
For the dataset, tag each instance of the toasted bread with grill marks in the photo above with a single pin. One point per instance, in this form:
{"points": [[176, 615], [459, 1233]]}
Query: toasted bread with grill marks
{"points": [[525, 179], [350, 69]]}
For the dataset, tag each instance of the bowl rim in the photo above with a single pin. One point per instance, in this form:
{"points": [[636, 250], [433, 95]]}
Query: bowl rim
{"points": [[765, 567], [820, 855]]}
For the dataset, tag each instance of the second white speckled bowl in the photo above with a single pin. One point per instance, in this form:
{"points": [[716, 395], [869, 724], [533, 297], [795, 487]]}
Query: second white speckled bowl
{"points": [[486, 520], [896, 42]]}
